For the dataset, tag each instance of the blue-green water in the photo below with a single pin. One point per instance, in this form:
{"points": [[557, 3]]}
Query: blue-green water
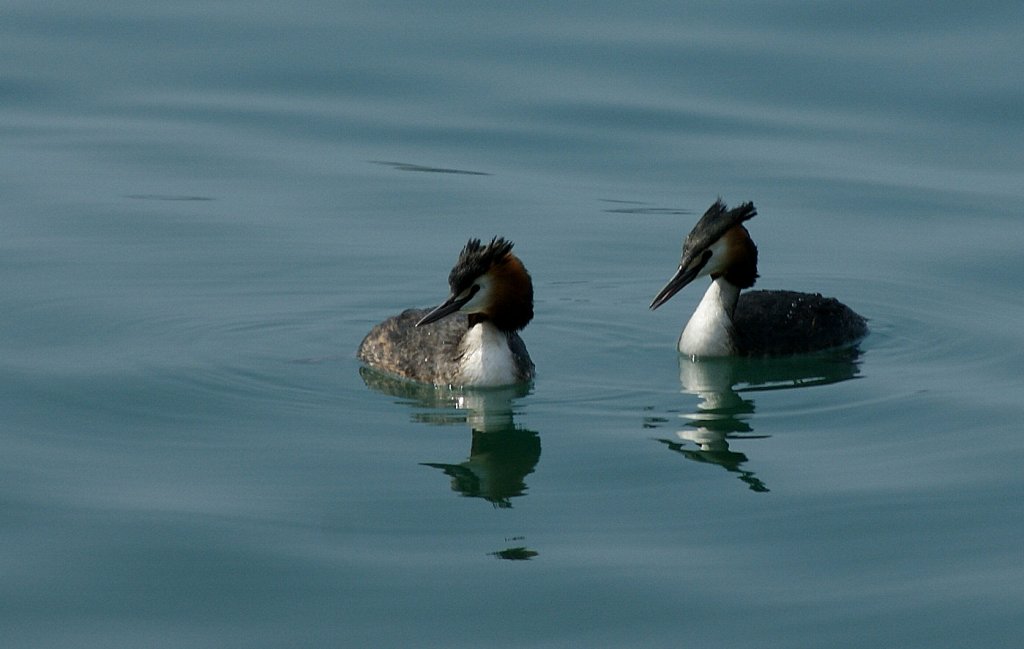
{"points": [[206, 206]]}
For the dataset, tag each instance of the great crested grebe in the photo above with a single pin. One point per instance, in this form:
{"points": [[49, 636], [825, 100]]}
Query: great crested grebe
{"points": [[756, 323], [478, 344]]}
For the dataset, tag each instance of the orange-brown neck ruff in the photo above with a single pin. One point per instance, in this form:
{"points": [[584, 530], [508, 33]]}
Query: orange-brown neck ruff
{"points": [[741, 271], [511, 304]]}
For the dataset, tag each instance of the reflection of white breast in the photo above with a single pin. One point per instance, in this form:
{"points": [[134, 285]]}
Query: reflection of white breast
{"points": [[485, 358]]}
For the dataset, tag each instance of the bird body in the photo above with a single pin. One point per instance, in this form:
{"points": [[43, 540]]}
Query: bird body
{"points": [[727, 322], [471, 339]]}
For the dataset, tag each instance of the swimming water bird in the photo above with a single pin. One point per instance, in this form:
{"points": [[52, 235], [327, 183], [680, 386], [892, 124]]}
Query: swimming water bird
{"points": [[472, 338], [756, 323]]}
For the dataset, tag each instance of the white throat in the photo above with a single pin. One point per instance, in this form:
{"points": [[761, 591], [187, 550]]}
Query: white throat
{"points": [[485, 358], [709, 331]]}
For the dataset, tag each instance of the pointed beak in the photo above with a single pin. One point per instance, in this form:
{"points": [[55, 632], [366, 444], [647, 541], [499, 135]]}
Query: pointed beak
{"points": [[686, 273], [448, 307]]}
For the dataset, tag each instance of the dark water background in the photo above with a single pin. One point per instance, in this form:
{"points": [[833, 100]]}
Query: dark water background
{"points": [[206, 206]]}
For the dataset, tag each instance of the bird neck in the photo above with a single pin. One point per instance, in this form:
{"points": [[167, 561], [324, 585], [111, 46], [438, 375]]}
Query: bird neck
{"points": [[485, 358], [709, 331], [510, 306]]}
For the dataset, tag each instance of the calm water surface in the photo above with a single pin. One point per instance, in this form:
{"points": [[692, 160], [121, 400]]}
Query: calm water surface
{"points": [[205, 209]]}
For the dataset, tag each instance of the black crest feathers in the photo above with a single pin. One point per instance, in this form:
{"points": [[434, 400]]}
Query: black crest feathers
{"points": [[475, 260], [718, 220]]}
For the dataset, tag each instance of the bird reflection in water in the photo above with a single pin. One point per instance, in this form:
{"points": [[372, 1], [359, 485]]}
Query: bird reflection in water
{"points": [[726, 387], [496, 467], [501, 454]]}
